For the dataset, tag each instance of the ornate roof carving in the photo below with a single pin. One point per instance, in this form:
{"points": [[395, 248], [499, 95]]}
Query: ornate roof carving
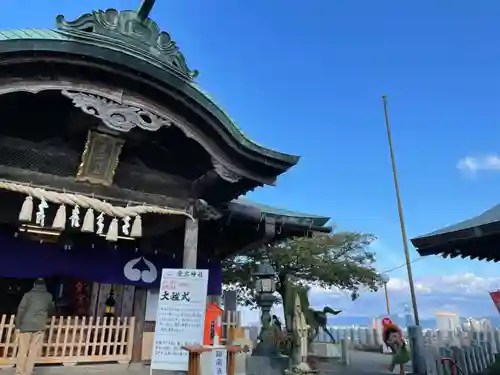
{"points": [[116, 116], [132, 40], [131, 30]]}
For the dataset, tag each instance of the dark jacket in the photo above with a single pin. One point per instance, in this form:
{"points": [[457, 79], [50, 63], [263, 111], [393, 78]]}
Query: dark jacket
{"points": [[34, 310]]}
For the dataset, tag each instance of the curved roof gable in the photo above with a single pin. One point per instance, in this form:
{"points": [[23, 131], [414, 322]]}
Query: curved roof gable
{"points": [[135, 34]]}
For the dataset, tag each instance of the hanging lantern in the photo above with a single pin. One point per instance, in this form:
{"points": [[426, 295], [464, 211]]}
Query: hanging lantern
{"points": [[109, 305]]}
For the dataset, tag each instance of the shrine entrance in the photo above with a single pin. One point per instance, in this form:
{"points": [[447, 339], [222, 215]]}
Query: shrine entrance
{"points": [[71, 296], [11, 292], [114, 165]]}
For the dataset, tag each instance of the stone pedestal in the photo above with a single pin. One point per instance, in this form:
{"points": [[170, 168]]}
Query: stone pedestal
{"points": [[257, 365], [241, 363], [326, 350]]}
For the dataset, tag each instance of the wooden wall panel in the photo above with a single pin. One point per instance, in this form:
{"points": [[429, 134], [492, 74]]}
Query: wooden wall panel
{"points": [[127, 302], [94, 296]]}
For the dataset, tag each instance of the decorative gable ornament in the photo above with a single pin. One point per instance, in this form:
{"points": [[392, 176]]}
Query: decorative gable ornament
{"points": [[132, 31]]}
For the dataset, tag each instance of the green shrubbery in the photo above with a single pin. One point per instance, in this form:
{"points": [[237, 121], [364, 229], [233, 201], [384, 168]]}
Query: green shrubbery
{"points": [[494, 368]]}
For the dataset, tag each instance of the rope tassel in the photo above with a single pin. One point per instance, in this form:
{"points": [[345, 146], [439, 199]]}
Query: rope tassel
{"points": [[60, 219], [136, 227], [26, 213], [71, 199], [88, 221], [85, 202], [113, 231]]}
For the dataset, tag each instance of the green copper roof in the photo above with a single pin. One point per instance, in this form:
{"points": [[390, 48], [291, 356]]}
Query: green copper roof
{"points": [[477, 237], [297, 217], [6, 35], [133, 33], [470, 228]]}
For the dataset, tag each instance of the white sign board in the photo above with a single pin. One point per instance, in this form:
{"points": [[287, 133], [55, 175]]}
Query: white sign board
{"points": [[214, 361], [180, 317], [219, 361]]}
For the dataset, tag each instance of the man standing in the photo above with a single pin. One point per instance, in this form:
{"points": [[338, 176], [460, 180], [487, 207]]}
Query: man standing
{"points": [[31, 322]]}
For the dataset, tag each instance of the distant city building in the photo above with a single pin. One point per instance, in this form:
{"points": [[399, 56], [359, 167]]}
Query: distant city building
{"points": [[446, 321], [486, 325], [478, 324], [471, 323], [408, 316]]}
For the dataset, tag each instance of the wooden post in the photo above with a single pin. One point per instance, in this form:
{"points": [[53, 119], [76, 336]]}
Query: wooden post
{"points": [[190, 254], [194, 358], [140, 316], [231, 358]]}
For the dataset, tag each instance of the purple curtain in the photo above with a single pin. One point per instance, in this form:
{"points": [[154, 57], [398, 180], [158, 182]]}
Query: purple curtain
{"points": [[22, 258]]}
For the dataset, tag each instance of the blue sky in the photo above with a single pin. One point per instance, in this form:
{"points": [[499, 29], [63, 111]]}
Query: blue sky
{"points": [[306, 78]]}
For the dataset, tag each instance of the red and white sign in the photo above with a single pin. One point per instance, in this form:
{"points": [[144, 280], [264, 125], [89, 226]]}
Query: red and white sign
{"points": [[495, 297]]}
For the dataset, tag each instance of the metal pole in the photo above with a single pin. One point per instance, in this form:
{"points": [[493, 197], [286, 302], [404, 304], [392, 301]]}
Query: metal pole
{"points": [[387, 305], [401, 216], [144, 9]]}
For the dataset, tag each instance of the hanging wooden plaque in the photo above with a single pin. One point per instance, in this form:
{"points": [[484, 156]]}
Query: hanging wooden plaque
{"points": [[100, 158]]}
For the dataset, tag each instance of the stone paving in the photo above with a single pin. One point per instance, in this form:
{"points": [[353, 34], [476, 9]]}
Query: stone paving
{"points": [[111, 369], [362, 363]]}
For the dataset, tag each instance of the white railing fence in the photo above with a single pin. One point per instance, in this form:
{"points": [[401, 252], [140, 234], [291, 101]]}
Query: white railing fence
{"points": [[472, 351]]}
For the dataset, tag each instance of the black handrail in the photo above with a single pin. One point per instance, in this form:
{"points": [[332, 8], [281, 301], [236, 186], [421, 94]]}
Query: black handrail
{"points": [[453, 365]]}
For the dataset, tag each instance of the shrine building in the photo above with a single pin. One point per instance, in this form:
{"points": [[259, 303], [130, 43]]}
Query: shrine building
{"points": [[115, 164]]}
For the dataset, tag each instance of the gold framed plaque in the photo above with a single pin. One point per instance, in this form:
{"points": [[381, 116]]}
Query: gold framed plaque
{"points": [[100, 158]]}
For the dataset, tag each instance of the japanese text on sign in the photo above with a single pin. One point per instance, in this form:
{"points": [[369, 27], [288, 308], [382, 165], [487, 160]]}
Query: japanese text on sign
{"points": [[180, 315], [219, 361]]}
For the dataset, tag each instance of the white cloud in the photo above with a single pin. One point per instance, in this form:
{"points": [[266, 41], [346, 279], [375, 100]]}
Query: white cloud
{"points": [[397, 285], [460, 284], [474, 164], [465, 294]]}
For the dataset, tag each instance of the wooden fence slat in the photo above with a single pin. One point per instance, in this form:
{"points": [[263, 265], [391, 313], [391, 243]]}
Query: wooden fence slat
{"points": [[93, 334], [72, 340], [100, 333], [56, 344], [88, 336], [118, 337], [3, 346], [11, 343], [67, 328], [74, 336], [46, 347], [80, 349]]}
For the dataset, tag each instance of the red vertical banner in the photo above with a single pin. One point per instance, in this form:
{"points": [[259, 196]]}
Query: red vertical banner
{"points": [[495, 297]]}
